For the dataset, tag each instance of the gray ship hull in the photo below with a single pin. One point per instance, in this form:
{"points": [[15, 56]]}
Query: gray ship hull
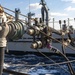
{"points": [[24, 45]]}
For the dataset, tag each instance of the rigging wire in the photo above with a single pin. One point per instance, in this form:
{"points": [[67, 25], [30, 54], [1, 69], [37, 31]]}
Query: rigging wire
{"points": [[52, 61], [63, 48], [62, 54], [69, 64], [18, 19], [60, 63], [19, 13], [9, 14]]}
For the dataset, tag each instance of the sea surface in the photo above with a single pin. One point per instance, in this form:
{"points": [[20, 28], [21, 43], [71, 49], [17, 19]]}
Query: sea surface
{"points": [[34, 65]]}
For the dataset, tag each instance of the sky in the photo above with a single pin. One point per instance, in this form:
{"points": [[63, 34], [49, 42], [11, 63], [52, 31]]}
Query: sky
{"points": [[58, 9]]}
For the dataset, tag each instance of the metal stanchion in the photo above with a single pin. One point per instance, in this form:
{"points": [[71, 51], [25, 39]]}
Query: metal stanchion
{"points": [[1, 59]]}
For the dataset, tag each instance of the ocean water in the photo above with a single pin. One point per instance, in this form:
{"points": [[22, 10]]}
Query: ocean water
{"points": [[24, 64]]}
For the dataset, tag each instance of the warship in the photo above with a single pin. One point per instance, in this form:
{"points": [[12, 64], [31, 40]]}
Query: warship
{"points": [[20, 37], [65, 35]]}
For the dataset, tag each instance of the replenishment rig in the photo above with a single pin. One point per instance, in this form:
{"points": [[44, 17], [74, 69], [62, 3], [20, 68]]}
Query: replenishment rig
{"points": [[43, 38]]}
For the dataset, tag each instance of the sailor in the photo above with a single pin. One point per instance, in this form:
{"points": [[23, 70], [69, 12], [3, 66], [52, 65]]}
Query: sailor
{"points": [[4, 29], [3, 33]]}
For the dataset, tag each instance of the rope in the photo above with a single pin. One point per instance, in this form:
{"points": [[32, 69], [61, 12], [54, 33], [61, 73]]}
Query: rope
{"points": [[61, 63], [69, 64], [53, 61]]}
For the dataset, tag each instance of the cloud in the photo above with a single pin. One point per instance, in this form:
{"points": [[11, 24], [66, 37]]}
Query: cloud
{"points": [[66, 0], [70, 8], [72, 1], [34, 6], [58, 14]]}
